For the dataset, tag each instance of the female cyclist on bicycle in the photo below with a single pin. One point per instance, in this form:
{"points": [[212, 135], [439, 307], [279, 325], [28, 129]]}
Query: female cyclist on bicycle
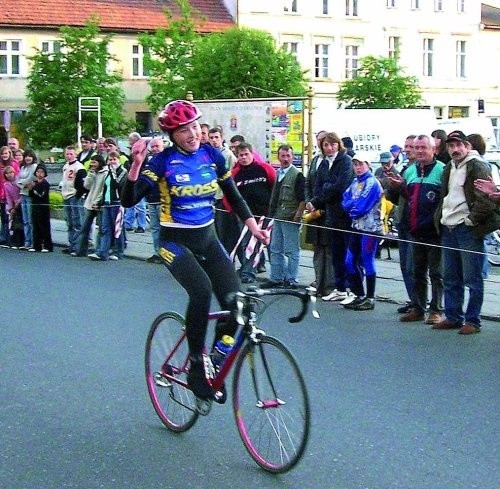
{"points": [[188, 175]]}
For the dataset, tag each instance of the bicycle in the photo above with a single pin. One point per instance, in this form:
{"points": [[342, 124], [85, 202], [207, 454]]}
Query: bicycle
{"points": [[492, 242], [270, 400]]}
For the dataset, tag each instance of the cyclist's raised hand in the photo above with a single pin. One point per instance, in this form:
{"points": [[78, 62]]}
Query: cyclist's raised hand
{"points": [[139, 153]]}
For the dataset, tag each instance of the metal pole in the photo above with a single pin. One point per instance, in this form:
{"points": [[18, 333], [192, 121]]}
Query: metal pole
{"points": [[310, 96]]}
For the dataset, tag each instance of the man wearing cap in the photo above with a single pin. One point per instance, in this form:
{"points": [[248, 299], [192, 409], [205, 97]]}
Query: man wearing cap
{"points": [[397, 154], [466, 216], [386, 170]]}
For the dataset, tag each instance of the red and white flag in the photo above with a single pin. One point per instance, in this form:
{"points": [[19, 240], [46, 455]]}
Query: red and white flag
{"points": [[119, 222]]}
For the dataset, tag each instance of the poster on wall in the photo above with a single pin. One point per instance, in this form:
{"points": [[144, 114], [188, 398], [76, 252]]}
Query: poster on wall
{"points": [[288, 128], [265, 123]]}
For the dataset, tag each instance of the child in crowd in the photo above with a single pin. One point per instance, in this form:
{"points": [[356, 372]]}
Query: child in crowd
{"points": [[111, 232], [39, 193], [18, 155], [25, 182], [6, 159], [94, 183], [13, 208], [362, 202]]}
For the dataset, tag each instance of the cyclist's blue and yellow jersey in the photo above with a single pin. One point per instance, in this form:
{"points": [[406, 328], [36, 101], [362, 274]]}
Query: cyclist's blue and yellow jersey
{"points": [[187, 184]]}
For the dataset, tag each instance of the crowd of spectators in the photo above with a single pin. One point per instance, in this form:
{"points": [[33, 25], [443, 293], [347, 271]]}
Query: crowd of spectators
{"points": [[443, 191]]}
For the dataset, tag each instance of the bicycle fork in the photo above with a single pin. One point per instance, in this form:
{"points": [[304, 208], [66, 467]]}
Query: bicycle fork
{"points": [[262, 403]]}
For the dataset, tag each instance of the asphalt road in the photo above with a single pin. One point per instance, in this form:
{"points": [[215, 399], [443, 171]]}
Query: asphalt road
{"points": [[393, 406]]}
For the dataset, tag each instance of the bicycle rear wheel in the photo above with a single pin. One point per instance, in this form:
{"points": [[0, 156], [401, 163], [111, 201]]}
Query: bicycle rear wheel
{"points": [[166, 362], [271, 405], [493, 248]]}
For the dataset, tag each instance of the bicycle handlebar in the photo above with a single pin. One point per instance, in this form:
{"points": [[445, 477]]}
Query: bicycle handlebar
{"points": [[306, 296]]}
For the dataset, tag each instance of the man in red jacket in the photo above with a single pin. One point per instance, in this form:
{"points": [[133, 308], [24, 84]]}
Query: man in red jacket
{"points": [[255, 182]]}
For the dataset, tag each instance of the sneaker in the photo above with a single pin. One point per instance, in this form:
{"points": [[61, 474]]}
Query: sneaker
{"points": [[32, 250], [45, 250], [406, 308], [139, 230], [247, 280], [73, 253], [23, 248], [271, 284], [154, 259], [349, 299], [113, 258], [197, 380], [353, 303], [12, 247], [95, 257], [366, 304], [336, 295]]}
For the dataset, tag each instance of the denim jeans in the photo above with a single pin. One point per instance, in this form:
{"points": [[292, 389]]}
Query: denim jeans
{"points": [[83, 238], [406, 259], [27, 210], [154, 223], [463, 264], [138, 212], [73, 212], [427, 259], [107, 238], [284, 251]]}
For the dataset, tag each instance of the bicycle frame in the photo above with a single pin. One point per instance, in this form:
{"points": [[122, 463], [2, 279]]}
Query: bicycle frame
{"points": [[227, 364], [219, 377]]}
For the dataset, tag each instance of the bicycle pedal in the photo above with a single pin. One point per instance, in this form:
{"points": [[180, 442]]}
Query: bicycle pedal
{"points": [[161, 381], [220, 397], [203, 406]]}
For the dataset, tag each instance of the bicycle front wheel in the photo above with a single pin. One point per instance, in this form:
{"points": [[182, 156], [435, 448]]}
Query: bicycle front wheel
{"points": [[167, 364], [271, 405]]}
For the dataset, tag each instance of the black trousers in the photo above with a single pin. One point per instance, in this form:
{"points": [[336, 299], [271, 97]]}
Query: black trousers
{"points": [[200, 264]]}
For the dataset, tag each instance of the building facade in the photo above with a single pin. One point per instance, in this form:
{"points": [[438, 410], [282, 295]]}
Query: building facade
{"points": [[451, 46], [26, 26]]}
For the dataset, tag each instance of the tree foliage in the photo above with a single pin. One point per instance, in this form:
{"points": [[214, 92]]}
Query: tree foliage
{"points": [[243, 63], [57, 79], [237, 63], [380, 84], [167, 55]]}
